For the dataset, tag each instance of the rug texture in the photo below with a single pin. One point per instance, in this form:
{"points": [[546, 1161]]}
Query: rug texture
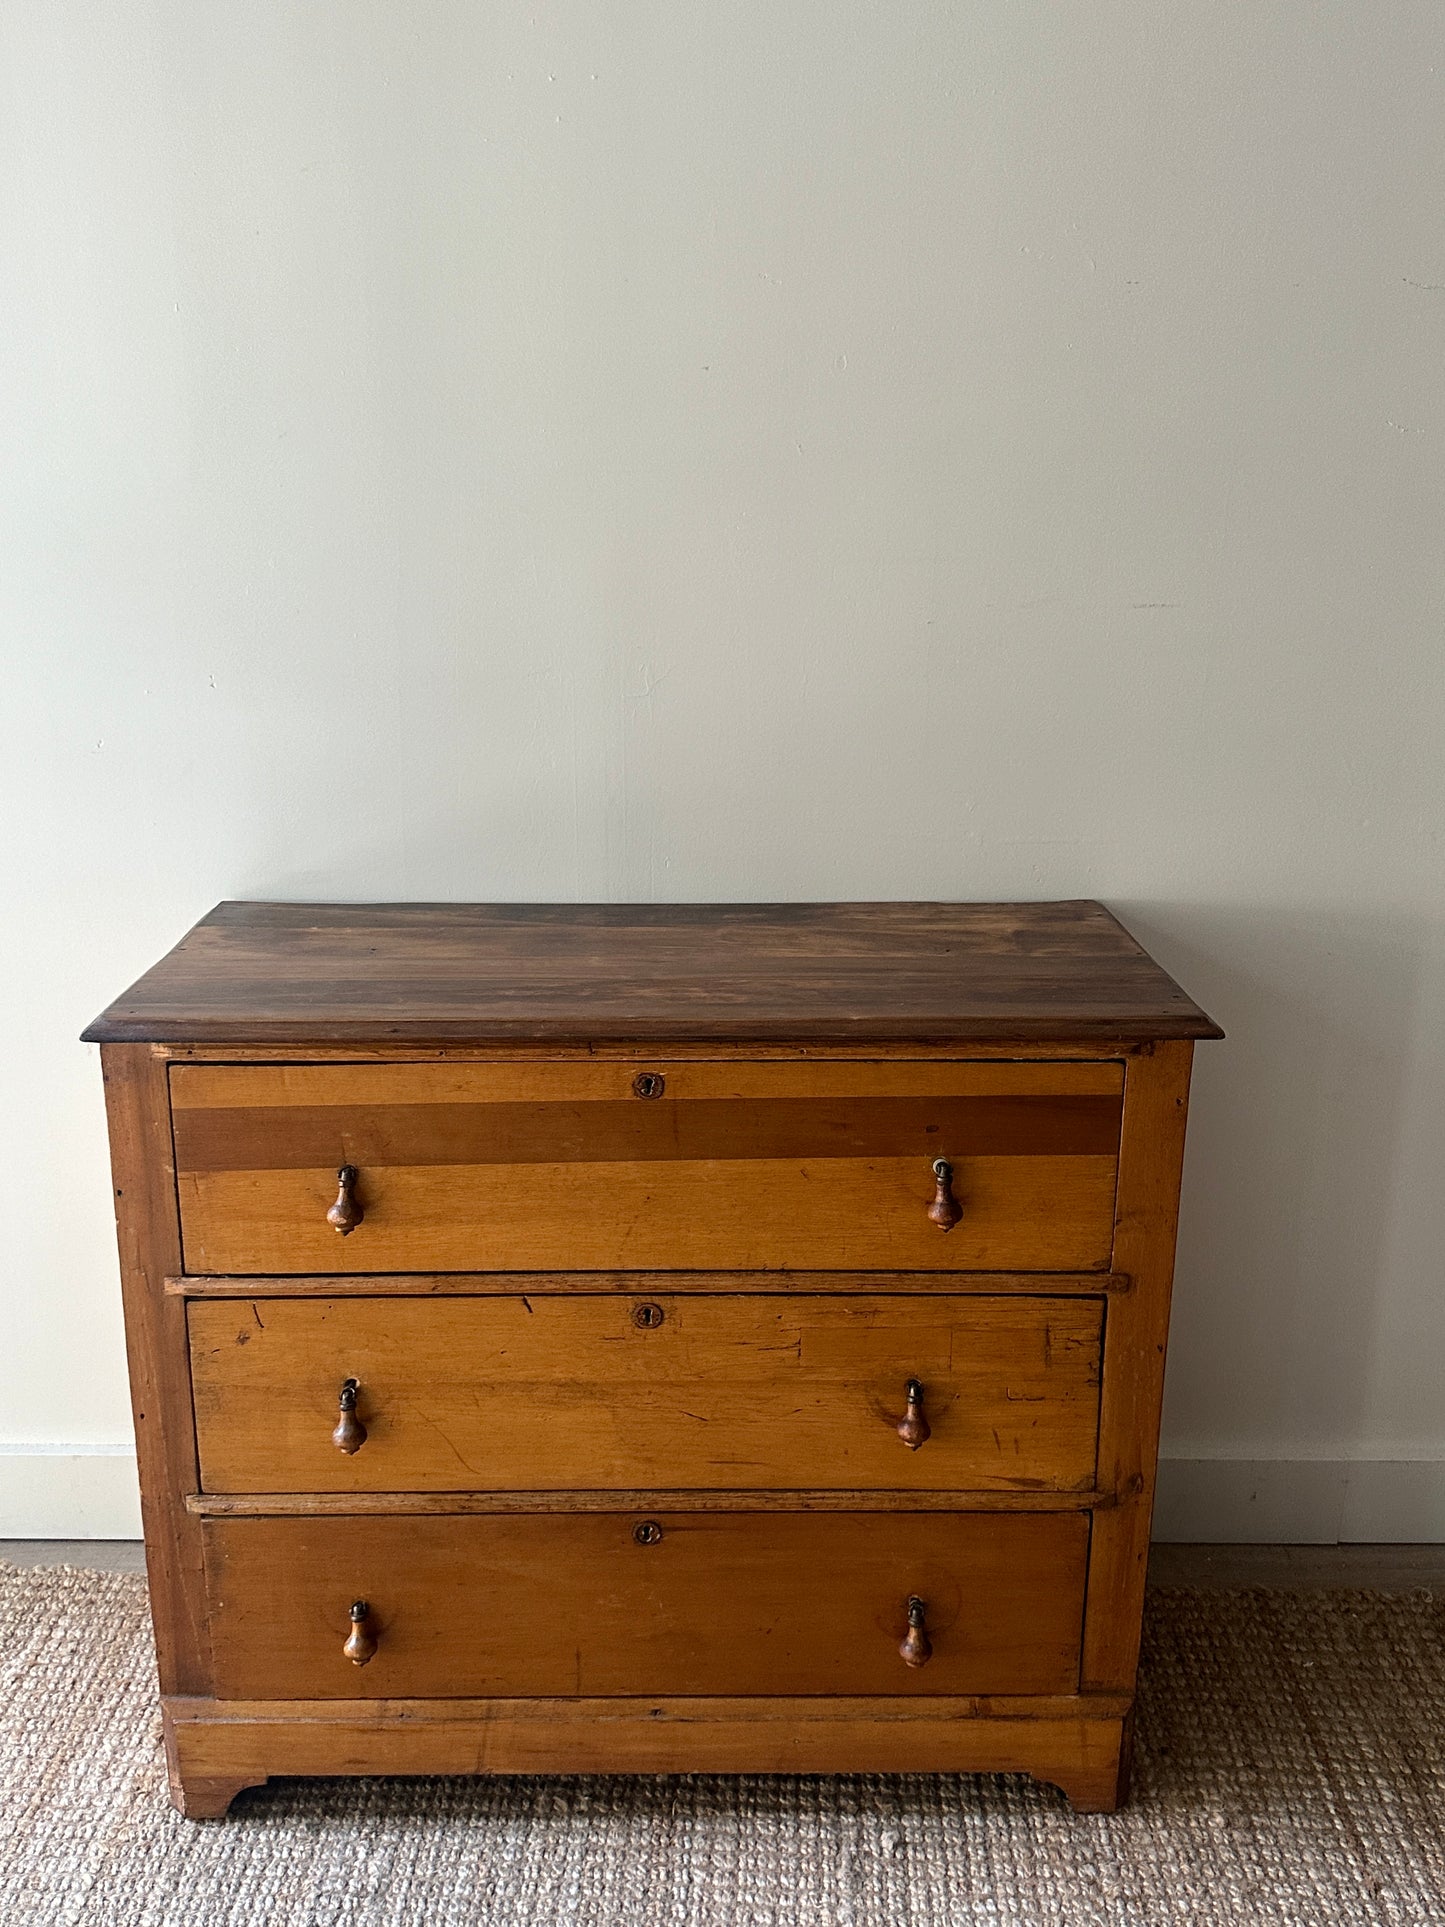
{"points": [[1290, 1768]]}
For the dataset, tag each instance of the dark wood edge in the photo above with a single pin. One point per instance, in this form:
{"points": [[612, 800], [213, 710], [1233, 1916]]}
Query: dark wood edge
{"points": [[108, 1029], [635, 1050], [607, 1284], [769, 1499]]}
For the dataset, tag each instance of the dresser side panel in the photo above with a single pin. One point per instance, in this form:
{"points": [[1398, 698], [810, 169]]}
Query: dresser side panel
{"points": [[1151, 1157], [148, 1233]]}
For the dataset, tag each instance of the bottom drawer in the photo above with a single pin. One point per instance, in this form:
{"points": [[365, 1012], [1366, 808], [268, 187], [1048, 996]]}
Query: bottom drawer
{"points": [[675, 1603]]}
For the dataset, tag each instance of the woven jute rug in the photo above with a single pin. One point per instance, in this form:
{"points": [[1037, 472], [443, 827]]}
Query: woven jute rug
{"points": [[1290, 1768]]}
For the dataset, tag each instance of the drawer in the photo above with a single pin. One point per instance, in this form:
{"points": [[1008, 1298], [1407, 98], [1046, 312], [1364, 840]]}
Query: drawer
{"points": [[600, 1167], [613, 1603], [634, 1392]]}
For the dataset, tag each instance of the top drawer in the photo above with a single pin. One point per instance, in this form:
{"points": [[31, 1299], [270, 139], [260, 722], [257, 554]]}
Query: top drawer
{"points": [[663, 1166]]}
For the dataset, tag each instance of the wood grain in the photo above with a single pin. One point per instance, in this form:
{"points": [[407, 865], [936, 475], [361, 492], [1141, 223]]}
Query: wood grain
{"points": [[764, 1187], [1151, 1162], [1019, 1214], [307, 1505], [291, 1137], [746, 1393], [738, 1603], [216, 1747], [639, 1054], [392, 974], [441, 1284], [155, 1325], [272, 1087]]}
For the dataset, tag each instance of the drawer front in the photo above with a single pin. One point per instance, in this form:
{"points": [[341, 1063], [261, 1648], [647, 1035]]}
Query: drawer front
{"points": [[689, 1603], [718, 1166], [633, 1392]]}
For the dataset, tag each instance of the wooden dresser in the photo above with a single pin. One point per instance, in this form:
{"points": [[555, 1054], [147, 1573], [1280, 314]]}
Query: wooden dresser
{"points": [[574, 1339]]}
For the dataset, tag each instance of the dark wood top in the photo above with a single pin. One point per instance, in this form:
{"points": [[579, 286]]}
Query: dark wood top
{"points": [[473, 973]]}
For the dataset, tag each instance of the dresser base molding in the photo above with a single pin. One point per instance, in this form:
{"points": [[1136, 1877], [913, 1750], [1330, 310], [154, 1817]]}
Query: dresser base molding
{"points": [[215, 1748]]}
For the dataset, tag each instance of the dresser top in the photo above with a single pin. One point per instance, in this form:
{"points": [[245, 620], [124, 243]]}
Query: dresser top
{"points": [[320, 974]]}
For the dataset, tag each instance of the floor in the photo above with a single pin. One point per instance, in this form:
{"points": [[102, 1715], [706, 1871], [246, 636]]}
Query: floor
{"points": [[99, 1555], [1299, 1568], [1219, 1568], [1288, 1773]]}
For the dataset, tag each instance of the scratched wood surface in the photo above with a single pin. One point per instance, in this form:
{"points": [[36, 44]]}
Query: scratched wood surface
{"points": [[216, 1747], [286, 973], [758, 1214], [561, 1114], [725, 1603], [283, 1137], [465, 1284], [486, 1167], [575, 1081], [536, 1392]]}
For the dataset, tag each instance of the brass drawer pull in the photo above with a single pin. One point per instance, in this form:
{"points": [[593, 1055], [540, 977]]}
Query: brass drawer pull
{"points": [[350, 1433], [945, 1211], [361, 1643], [917, 1647], [913, 1428], [346, 1214]]}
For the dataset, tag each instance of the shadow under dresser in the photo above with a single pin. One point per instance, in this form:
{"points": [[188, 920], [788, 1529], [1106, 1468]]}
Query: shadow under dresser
{"points": [[648, 1339]]}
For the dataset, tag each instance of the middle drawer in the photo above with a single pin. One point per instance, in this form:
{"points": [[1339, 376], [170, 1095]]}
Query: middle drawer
{"points": [[615, 1392]]}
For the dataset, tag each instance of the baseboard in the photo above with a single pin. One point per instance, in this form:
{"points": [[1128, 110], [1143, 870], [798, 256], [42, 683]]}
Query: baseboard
{"points": [[89, 1492], [68, 1492], [1322, 1502]]}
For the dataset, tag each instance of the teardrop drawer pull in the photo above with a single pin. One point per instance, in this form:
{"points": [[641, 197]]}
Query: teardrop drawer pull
{"points": [[346, 1214], [913, 1427], [945, 1211], [361, 1644], [350, 1433], [917, 1648]]}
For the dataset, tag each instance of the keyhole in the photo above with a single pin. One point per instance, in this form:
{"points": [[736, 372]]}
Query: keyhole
{"points": [[647, 1533], [647, 1317], [649, 1083]]}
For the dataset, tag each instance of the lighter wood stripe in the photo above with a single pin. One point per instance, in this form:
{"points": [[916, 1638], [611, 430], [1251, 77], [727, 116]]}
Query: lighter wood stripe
{"points": [[1020, 1214], [258, 1086]]}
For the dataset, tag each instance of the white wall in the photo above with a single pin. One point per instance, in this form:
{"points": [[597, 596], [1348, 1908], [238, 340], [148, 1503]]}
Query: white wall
{"points": [[748, 450]]}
